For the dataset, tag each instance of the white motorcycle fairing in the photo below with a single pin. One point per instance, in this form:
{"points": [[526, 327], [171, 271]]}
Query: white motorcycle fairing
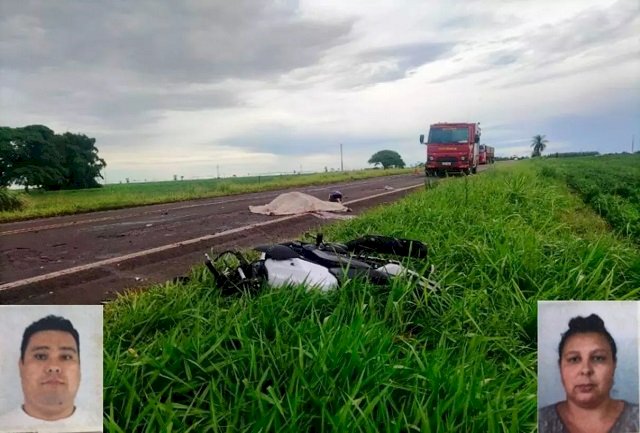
{"points": [[297, 271]]}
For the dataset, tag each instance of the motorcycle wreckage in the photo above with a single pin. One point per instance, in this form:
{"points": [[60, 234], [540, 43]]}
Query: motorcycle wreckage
{"points": [[321, 265]]}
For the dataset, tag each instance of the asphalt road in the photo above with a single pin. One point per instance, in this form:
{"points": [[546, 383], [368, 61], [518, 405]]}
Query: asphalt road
{"points": [[88, 258]]}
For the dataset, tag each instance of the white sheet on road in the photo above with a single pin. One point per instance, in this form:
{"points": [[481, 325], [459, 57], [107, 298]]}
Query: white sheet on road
{"points": [[292, 203]]}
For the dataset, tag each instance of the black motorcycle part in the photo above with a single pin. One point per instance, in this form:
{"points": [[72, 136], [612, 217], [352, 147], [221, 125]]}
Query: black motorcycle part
{"points": [[388, 245], [372, 275]]}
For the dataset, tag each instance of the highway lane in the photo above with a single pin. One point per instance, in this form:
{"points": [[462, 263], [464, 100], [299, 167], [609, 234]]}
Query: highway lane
{"points": [[54, 245]]}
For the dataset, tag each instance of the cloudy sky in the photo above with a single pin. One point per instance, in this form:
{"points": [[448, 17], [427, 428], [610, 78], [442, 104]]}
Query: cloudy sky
{"points": [[242, 87]]}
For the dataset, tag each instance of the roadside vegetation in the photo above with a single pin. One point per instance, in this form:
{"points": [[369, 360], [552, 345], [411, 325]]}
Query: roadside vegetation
{"points": [[610, 184], [181, 358], [9, 200], [53, 203]]}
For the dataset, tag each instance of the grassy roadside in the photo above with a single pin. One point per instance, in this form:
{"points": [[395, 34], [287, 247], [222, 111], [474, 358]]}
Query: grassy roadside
{"points": [[368, 359], [610, 184], [55, 203]]}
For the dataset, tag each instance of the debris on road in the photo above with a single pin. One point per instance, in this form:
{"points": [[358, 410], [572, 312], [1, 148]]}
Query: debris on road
{"points": [[336, 197]]}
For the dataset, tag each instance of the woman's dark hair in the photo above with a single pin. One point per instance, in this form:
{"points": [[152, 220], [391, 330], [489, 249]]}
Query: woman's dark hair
{"points": [[581, 325]]}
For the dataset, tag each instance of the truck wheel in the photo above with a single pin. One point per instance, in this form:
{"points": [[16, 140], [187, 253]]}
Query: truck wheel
{"points": [[474, 169]]}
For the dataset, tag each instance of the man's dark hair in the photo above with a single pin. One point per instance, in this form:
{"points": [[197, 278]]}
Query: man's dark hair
{"points": [[49, 323], [581, 325]]}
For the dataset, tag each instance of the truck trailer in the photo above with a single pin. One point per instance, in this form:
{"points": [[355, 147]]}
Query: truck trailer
{"points": [[452, 147], [486, 154]]}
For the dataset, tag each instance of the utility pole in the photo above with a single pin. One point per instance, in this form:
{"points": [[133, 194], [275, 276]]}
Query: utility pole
{"points": [[218, 170], [633, 139], [341, 165]]}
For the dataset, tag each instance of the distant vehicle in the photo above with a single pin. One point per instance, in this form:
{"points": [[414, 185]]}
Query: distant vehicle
{"points": [[486, 154], [452, 147]]}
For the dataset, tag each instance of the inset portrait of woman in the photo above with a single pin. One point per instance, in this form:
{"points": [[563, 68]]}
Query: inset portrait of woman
{"points": [[588, 367]]}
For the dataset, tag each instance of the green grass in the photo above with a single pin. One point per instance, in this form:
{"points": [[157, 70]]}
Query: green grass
{"points": [[37, 204], [610, 184], [181, 358], [10, 200]]}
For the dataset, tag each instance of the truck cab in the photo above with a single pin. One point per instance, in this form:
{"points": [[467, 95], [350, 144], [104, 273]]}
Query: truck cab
{"points": [[452, 147]]}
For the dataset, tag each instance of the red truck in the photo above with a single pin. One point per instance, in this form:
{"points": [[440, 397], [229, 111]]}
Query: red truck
{"points": [[486, 154], [452, 147]]}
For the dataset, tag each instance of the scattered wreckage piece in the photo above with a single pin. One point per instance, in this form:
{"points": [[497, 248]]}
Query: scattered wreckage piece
{"points": [[336, 197]]}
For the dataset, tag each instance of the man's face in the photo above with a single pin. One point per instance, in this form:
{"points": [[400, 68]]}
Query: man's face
{"points": [[50, 374], [587, 368]]}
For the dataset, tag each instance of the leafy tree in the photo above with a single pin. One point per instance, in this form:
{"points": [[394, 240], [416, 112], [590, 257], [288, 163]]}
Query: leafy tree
{"points": [[80, 160], [387, 158], [34, 156], [7, 155], [538, 143], [28, 158]]}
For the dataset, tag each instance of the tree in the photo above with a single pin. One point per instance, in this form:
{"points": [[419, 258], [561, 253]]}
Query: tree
{"points": [[34, 156], [538, 143], [28, 157], [387, 158], [7, 156], [80, 160]]}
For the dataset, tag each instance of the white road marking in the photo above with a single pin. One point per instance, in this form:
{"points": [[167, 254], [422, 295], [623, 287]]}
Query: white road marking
{"points": [[114, 260]]}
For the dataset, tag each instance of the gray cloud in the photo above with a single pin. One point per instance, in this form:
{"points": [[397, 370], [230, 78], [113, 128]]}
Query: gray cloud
{"points": [[120, 100], [286, 142], [480, 18], [595, 27], [97, 60], [543, 74], [487, 63], [470, 18], [384, 64], [407, 56], [506, 57], [535, 51], [195, 40], [119, 108], [470, 70]]}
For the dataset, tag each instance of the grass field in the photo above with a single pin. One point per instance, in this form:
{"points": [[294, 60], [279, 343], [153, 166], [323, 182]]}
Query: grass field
{"points": [[610, 184], [181, 358], [53, 203]]}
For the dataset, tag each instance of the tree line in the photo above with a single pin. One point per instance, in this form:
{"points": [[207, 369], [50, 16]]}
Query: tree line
{"points": [[35, 157]]}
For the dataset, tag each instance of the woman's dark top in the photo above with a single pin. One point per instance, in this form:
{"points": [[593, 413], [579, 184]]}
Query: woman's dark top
{"points": [[549, 420]]}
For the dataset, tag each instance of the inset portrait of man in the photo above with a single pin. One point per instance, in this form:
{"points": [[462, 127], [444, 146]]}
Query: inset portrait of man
{"points": [[588, 367], [50, 361]]}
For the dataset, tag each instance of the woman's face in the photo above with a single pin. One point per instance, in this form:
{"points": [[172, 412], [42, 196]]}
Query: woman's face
{"points": [[587, 368]]}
